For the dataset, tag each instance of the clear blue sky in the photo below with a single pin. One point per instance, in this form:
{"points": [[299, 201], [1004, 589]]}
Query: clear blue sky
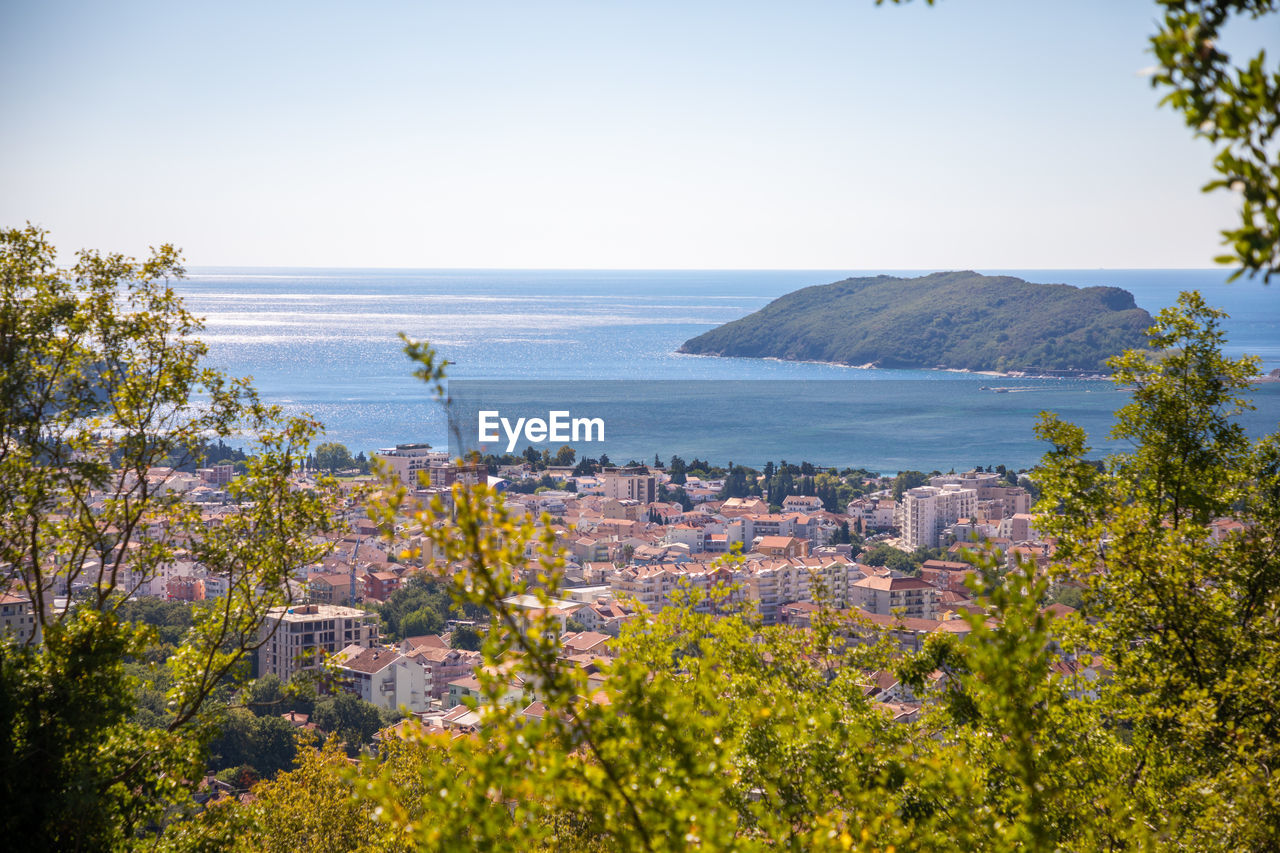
{"points": [[1000, 134]]}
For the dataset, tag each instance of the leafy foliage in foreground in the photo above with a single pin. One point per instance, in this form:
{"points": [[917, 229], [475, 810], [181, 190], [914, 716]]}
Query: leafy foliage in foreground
{"points": [[958, 320], [103, 389], [1235, 106], [1190, 615]]}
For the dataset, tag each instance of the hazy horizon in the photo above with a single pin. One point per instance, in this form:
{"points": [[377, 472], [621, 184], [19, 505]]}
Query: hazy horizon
{"points": [[210, 268]]}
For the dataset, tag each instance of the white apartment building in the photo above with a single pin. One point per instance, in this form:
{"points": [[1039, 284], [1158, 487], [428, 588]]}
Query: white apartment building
{"points": [[406, 460], [875, 514], [756, 525], [300, 637], [801, 503], [685, 534], [384, 677], [926, 512]]}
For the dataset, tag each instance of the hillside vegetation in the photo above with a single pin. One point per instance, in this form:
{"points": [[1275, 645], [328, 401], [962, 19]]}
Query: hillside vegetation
{"points": [[959, 320]]}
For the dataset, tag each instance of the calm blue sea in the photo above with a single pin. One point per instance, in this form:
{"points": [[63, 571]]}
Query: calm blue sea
{"points": [[324, 342]]}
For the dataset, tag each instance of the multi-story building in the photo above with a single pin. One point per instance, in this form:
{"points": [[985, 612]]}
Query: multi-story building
{"points": [[995, 499], [384, 677], [443, 665], [635, 483], [801, 503], [186, 588], [914, 598], [444, 474], [744, 506], [767, 584], [721, 536], [873, 513], [781, 546], [980, 481], [216, 475], [591, 549], [216, 586], [302, 636], [335, 588], [685, 534], [380, 585], [631, 510], [817, 528], [926, 512], [767, 524], [18, 618], [773, 584], [406, 460], [1019, 527], [948, 575]]}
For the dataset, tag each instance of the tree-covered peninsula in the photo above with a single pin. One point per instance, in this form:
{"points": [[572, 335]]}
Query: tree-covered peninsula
{"points": [[957, 320]]}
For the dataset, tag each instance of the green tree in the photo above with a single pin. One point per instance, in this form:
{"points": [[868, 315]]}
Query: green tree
{"points": [[269, 696], [266, 695], [465, 637], [908, 480], [266, 743], [312, 807], [333, 457], [421, 622], [735, 483], [275, 744], [349, 718], [1234, 106], [1185, 618], [678, 496], [422, 595], [240, 778], [891, 558], [171, 619], [677, 471], [233, 744], [102, 369]]}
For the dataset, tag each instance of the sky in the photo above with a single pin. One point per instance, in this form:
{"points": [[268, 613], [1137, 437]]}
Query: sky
{"points": [[699, 135]]}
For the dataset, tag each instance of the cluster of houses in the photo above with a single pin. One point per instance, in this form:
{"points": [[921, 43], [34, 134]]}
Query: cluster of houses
{"points": [[629, 559], [628, 555]]}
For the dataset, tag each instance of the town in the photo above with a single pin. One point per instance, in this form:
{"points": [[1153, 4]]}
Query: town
{"points": [[898, 567]]}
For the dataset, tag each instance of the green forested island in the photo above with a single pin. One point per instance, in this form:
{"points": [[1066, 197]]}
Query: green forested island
{"points": [[956, 320]]}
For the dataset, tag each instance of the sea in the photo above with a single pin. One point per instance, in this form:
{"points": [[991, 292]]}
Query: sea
{"points": [[602, 343]]}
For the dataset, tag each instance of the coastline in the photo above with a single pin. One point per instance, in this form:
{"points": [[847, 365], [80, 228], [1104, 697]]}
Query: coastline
{"points": [[1012, 374]]}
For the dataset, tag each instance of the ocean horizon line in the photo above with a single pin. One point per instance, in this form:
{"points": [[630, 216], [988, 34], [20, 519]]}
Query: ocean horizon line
{"points": [[214, 269]]}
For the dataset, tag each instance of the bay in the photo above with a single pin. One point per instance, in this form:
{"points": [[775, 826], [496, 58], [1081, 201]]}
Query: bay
{"points": [[323, 341]]}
